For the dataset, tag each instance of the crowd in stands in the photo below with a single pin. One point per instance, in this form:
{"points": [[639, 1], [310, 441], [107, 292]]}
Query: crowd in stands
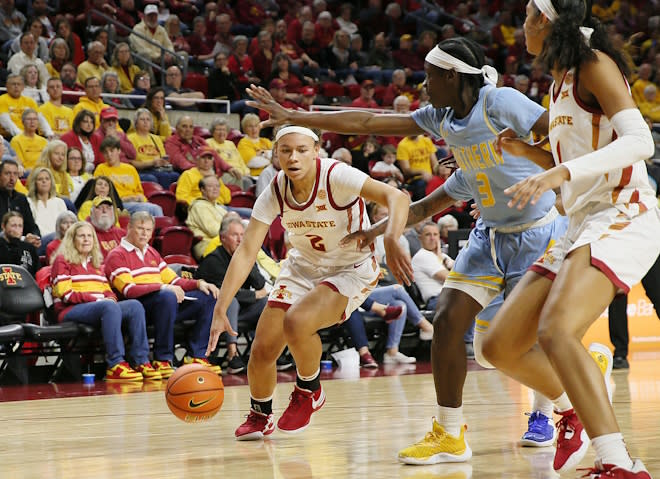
{"points": [[74, 148]]}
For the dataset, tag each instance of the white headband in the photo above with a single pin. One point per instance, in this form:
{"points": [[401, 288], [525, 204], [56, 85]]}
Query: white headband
{"points": [[446, 61], [547, 9], [296, 129]]}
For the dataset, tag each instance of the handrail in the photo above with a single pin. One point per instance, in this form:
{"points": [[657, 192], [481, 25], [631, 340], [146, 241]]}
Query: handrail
{"points": [[211, 101], [181, 61]]}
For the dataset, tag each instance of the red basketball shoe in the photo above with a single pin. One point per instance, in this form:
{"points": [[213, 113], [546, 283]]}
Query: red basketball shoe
{"points": [[572, 442], [256, 426], [638, 471], [301, 406]]}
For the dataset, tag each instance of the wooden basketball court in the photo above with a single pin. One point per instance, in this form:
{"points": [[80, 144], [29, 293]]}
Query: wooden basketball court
{"points": [[356, 435]]}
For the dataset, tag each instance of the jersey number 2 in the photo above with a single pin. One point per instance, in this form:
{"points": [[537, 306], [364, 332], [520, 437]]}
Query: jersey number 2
{"points": [[316, 242], [487, 200]]}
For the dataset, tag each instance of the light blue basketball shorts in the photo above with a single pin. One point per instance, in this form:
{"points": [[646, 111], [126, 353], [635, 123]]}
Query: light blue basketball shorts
{"points": [[494, 259]]}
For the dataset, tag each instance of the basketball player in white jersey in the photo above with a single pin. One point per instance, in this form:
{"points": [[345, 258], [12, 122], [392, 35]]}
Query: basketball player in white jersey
{"points": [[320, 284], [599, 143]]}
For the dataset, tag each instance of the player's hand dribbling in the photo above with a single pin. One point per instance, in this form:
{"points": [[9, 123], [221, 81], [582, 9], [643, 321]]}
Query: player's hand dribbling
{"points": [[262, 99], [219, 325], [398, 261], [530, 189]]}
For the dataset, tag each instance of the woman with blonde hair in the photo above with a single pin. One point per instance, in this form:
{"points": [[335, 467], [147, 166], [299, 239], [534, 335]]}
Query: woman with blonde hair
{"points": [[82, 294], [254, 149], [53, 157], [122, 64], [35, 87], [43, 200]]}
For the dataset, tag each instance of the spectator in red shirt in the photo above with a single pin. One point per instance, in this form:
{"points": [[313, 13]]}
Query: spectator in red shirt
{"points": [[201, 44], [408, 58], [240, 63], [398, 87], [277, 89], [184, 146], [325, 29], [366, 98], [294, 33], [76, 52], [103, 217], [250, 13], [109, 119], [263, 57], [68, 75]]}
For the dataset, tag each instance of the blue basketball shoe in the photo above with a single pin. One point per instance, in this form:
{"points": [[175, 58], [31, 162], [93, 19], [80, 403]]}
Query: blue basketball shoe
{"points": [[540, 431]]}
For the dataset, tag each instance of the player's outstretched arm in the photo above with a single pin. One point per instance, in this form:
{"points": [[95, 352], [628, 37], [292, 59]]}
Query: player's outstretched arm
{"points": [[345, 122], [238, 271], [436, 202]]}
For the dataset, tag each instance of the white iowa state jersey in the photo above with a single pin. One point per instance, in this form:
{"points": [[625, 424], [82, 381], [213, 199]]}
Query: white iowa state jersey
{"points": [[577, 129], [333, 210]]}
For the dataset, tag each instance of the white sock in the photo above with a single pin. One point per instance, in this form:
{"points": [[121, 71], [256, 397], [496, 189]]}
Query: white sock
{"points": [[542, 404], [611, 449], [450, 419], [562, 403]]}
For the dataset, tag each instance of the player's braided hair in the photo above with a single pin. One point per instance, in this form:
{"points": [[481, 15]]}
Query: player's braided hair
{"points": [[565, 48], [471, 53]]}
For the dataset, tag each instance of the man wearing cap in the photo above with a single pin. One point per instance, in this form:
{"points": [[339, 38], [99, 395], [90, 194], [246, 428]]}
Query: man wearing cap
{"points": [[277, 89], [366, 98], [150, 29], [187, 188], [92, 100], [307, 98], [182, 98], [184, 146], [110, 127], [103, 217]]}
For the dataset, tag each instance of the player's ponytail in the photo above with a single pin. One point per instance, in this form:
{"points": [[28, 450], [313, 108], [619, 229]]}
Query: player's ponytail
{"points": [[566, 46]]}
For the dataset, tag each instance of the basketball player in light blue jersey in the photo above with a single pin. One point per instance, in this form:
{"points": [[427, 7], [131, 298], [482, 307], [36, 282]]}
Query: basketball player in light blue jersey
{"points": [[469, 113]]}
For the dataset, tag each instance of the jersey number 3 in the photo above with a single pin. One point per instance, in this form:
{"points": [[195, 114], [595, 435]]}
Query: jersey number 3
{"points": [[487, 200], [316, 242]]}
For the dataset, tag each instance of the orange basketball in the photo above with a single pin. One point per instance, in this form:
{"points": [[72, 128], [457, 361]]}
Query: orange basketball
{"points": [[194, 393]]}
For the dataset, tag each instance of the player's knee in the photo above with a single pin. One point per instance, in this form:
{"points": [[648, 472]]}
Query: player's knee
{"points": [[479, 356], [293, 325]]}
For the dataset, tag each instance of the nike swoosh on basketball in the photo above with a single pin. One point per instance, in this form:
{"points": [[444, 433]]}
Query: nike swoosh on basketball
{"points": [[194, 404]]}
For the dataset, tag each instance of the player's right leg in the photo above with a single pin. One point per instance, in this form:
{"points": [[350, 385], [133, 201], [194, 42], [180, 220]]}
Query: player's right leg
{"points": [[268, 344], [446, 442]]}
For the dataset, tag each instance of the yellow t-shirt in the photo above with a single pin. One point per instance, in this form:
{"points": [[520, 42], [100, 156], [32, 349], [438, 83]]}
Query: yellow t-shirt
{"points": [[51, 70], [148, 147], [187, 187], [60, 118], [87, 70], [417, 152], [126, 81], [95, 107], [228, 152], [248, 149], [63, 183], [125, 178], [20, 187], [16, 106], [28, 149]]}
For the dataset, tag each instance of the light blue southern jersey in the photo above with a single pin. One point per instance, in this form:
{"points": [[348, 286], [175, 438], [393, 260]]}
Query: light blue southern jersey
{"points": [[483, 174]]}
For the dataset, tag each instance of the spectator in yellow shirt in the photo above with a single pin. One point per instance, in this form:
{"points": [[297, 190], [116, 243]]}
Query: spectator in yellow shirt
{"points": [[187, 188], [95, 64], [122, 64], [240, 175], [125, 178], [58, 116], [28, 145], [417, 161], [13, 104], [254, 149], [151, 161], [649, 105], [92, 100]]}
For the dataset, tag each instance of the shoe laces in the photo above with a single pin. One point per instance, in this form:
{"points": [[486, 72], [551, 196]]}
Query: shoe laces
{"points": [[537, 422], [255, 418], [297, 398], [566, 426]]}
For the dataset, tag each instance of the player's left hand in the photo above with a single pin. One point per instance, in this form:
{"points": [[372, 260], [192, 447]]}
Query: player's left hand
{"points": [[531, 189]]}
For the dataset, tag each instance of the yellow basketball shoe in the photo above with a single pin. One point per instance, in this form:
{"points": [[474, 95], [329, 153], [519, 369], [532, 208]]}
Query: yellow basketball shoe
{"points": [[437, 446], [603, 357]]}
